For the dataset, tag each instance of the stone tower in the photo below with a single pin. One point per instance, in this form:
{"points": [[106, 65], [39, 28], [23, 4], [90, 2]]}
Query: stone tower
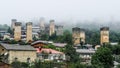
{"points": [[51, 27], [78, 35], [17, 31], [42, 24], [29, 31], [104, 32], [13, 23], [82, 35]]}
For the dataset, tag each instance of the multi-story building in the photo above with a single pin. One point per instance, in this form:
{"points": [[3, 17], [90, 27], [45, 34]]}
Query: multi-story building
{"points": [[17, 31], [104, 35]]}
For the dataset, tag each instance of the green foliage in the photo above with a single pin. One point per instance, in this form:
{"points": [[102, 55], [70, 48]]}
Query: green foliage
{"points": [[13, 42], [44, 37], [4, 27], [50, 46], [114, 36], [47, 64], [103, 57], [34, 38], [22, 42], [118, 66], [93, 37], [71, 53], [6, 39], [67, 38], [115, 49], [37, 64], [10, 31], [24, 65], [18, 64], [79, 65]]}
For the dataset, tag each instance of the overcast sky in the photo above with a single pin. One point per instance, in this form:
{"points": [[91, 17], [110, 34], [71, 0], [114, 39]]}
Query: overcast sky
{"points": [[60, 10]]}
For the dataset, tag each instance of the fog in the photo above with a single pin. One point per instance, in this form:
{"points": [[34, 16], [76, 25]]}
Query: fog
{"points": [[62, 11]]}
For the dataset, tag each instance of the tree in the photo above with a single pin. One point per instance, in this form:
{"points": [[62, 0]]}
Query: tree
{"points": [[71, 52], [16, 64], [34, 38], [118, 66], [103, 57], [67, 38], [116, 49], [37, 64], [44, 37], [50, 46], [10, 31]]}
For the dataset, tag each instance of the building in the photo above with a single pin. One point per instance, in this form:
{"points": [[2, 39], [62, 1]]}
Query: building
{"points": [[59, 45], [85, 54], [16, 52], [78, 35], [13, 23], [51, 27], [104, 35], [2, 33], [47, 54], [42, 24], [29, 31], [17, 31], [82, 35], [6, 36], [35, 31], [59, 30]]}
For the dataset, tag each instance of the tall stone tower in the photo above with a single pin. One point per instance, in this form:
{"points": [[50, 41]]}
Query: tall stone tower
{"points": [[17, 31], [78, 35], [29, 31], [42, 24], [51, 27], [104, 32], [82, 35], [13, 23]]}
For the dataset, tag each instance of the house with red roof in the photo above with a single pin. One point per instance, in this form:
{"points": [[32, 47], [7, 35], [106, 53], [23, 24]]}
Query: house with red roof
{"points": [[47, 54]]}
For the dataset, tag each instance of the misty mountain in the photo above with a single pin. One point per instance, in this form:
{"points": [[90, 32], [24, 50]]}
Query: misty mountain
{"points": [[115, 26]]}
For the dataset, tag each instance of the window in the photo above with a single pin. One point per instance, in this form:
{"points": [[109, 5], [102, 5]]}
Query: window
{"points": [[28, 60], [2, 49], [15, 59]]}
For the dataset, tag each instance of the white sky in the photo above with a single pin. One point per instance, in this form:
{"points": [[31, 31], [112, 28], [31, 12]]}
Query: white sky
{"points": [[60, 10]]}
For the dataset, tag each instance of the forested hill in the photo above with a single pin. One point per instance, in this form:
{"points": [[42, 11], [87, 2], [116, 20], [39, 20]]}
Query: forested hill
{"points": [[4, 27], [94, 26]]}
